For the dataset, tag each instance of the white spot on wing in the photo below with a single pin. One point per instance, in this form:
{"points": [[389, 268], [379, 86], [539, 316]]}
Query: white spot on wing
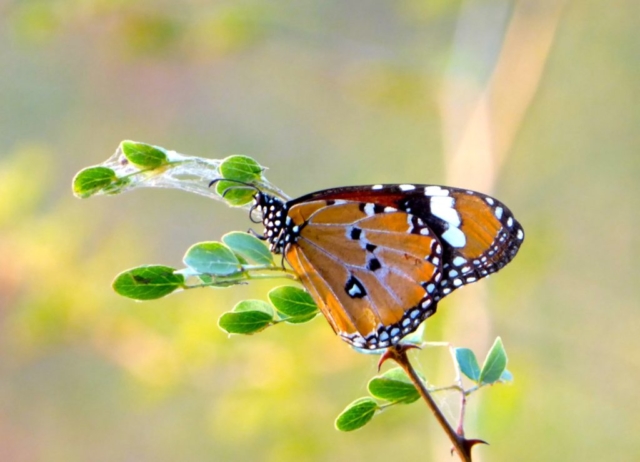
{"points": [[390, 209], [520, 234], [443, 207], [455, 237], [498, 212], [489, 200], [435, 191], [376, 186], [368, 209], [354, 290], [407, 187], [459, 261]]}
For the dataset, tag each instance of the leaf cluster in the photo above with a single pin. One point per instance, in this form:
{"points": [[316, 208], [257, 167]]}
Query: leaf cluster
{"points": [[394, 386]]}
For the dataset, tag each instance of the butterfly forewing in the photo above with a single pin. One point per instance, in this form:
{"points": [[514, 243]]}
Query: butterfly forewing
{"points": [[478, 233]]}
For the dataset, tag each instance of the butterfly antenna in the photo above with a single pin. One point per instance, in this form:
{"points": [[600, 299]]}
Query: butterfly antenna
{"points": [[256, 234], [251, 217], [241, 183]]}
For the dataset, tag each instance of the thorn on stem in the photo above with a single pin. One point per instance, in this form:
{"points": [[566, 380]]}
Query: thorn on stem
{"points": [[392, 352]]}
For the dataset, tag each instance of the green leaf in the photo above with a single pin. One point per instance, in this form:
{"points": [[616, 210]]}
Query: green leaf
{"points": [[298, 319], [494, 364], [394, 386], [148, 282], [293, 302], [244, 322], [254, 305], [506, 376], [248, 247], [468, 363], [91, 180], [117, 186], [240, 168], [212, 258], [143, 155], [234, 193], [356, 414]]}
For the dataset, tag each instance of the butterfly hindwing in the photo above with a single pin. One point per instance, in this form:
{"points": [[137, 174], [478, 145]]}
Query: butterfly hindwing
{"points": [[367, 268]]}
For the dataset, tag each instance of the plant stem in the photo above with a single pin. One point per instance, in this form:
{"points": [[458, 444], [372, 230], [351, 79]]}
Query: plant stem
{"points": [[461, 445]]}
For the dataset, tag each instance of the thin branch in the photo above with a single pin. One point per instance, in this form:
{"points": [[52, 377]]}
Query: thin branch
{"points": [[461, 445]]}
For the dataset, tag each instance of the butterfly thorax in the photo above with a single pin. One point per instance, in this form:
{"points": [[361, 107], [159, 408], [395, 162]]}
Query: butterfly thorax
{"points": [[279, 230]]}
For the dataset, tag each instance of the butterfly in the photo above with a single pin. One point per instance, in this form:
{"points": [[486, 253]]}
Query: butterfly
{"points": [[377, 259]]}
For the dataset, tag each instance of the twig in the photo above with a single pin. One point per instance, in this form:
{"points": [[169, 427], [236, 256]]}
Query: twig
{"points": [[461, 445]]}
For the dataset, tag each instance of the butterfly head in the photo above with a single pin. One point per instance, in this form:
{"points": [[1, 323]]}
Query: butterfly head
{"points": [[279, 230]]}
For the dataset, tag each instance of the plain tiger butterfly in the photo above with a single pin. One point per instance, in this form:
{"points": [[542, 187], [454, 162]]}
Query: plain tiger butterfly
{"points": [[377, 259]]}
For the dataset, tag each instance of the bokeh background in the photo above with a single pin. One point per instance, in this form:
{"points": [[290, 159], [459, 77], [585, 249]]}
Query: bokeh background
{"points": [[536, 102]]}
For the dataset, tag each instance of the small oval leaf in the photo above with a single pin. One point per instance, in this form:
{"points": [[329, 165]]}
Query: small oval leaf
{"points": [[293, 301], [244, 322], [494, 364], [212, 258], [148, 282], [394, 386], [298, 319], [234, 193], [249, 247], [240, 168], [468, 363], [254, 305], [91, 180], [356, 414], [143, 155]]}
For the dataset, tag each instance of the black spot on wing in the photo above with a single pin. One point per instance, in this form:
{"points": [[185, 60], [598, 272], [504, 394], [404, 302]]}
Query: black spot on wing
{"points": [[355, 233], [354, 288], [374, 264]]}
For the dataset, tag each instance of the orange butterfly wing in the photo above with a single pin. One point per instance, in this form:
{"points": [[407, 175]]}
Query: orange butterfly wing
{"points": [[478, 233], [366, 269]]}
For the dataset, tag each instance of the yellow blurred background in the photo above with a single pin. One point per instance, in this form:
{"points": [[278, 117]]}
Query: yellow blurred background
{"points": [[536, 102]]}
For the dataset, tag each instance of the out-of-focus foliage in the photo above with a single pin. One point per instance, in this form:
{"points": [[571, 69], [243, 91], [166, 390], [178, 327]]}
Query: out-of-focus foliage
{"points": [[325, 94], [147, 28]]}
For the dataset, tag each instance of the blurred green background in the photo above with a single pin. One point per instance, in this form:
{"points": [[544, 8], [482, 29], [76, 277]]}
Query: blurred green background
{"points": [[534, 101]]}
